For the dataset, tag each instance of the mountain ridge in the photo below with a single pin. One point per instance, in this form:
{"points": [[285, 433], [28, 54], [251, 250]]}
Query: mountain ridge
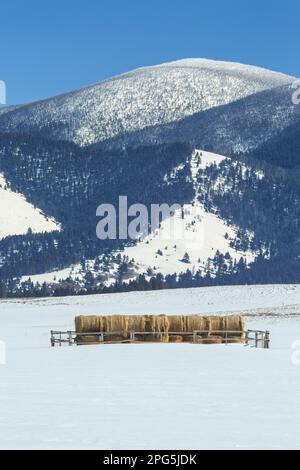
{"points": [[152, 95]]}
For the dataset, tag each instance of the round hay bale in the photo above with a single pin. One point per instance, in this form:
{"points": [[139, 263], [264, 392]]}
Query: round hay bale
{"points": [[175, 339], [176, 323], [121, 325], [87, 339], [210, 340]]}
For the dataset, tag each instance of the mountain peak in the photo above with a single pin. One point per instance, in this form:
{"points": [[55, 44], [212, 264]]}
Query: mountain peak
{"points": [[144, 97], [227, 67]]}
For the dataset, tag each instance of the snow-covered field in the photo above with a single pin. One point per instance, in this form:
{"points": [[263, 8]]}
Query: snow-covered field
{"points": [[154, 396]]}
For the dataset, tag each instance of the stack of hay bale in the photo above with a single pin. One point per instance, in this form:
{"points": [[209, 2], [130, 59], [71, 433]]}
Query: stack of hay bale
{"points": [[166, 328]]}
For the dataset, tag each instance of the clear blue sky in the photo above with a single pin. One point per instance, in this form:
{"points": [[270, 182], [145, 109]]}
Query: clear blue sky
{"points": [[48, 47]]}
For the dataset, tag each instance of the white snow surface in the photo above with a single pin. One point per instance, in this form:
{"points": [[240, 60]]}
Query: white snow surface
{"points": [[17, 215], [204, 239], [202, 159], [146, 96], [151, 396]]}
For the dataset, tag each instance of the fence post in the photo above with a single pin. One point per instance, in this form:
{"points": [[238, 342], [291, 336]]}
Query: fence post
{"points": [[267, 340], [52, 339], [256, 339], [247, 338], [194, 336]]}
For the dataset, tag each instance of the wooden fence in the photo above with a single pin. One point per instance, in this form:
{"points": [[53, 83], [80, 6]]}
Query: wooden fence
{"points": [[256, 338], [260, 338]]}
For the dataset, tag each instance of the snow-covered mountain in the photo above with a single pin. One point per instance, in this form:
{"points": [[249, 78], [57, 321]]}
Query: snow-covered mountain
{"points": [[191, 230], [148, 96], [137, 135], [231, 129]]}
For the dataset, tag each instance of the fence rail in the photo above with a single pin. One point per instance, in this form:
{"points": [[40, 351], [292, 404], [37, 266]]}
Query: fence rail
{"points": [[259, 338]]}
